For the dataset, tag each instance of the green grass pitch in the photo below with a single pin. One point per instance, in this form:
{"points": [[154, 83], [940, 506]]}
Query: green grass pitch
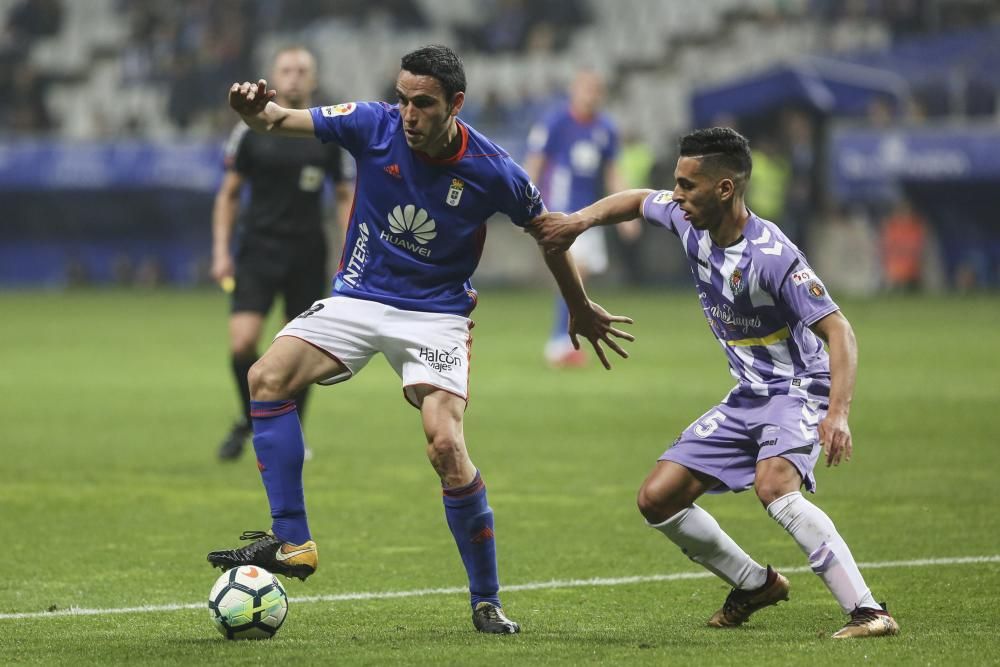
{"points": [[112, 405]]}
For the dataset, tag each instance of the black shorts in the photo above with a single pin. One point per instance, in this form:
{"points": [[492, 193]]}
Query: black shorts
{"points": [[295, 267]]}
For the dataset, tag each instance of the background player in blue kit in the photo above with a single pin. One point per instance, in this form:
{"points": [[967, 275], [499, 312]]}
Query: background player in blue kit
{"points": [[426, 184], [573, 156], [770, 313], [282, 246]]}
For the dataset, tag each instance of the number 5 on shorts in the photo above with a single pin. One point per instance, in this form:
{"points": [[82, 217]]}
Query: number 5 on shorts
{"points": [[708, 424]]}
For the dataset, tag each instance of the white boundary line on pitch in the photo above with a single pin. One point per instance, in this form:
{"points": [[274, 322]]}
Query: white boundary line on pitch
{"points": [[533, 586]]}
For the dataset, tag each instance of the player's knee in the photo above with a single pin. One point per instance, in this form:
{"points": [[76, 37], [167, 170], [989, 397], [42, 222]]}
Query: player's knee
{"points": [[243, 346], [657, 504], [268, 383], [769, 489], [775, 478], [445, 451], [647, 504]]}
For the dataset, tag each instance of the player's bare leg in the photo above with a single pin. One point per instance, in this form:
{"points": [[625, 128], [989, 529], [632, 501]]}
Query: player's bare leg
{"points": [[245, 329], [469, 516], [285, 369], [666, 500], [777, 485], [442, 414]]}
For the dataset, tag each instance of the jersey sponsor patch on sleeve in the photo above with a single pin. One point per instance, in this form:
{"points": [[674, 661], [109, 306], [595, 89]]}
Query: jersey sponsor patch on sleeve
{"points": [[339, 109], [533, 196], [803, 276], [664, 197]]}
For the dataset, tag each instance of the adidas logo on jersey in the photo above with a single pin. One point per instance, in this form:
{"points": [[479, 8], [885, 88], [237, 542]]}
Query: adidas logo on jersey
{"points": [[406, 223]]}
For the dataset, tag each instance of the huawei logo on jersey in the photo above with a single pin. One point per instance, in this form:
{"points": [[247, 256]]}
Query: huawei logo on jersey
{"points": [[409, 222], [393, 170], [413, 220]]}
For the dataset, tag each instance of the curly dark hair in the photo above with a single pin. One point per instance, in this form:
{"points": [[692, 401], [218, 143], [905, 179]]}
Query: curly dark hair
{"points": [[721, 148], [439, 62]]}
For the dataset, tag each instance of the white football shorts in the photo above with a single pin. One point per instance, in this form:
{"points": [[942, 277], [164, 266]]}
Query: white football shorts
{"points": [[423, 348], [590, 251]]}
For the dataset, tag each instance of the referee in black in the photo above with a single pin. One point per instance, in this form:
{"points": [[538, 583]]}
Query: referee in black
{"points": [[282, 247]]}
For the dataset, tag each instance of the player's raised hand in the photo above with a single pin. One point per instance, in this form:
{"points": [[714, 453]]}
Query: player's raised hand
{"points": [[555, 232], [597, 325], [249, 99], [835, 438]]}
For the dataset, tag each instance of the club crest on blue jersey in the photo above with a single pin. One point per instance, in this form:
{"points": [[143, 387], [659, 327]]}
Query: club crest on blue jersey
{"points": [[736, 282], [455, 192]]}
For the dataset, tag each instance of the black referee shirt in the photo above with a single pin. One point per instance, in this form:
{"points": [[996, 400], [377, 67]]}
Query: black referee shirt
{"points": [[286, 177]]}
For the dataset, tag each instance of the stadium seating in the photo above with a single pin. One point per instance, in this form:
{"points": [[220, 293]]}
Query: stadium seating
{"points": [[657, 53]]}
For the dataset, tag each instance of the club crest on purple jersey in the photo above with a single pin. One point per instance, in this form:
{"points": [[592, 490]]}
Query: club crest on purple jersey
{"points": [[736, 282], [816, 289]]}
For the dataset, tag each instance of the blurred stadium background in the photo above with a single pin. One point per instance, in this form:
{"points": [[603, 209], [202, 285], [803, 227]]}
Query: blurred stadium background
{"points": [[876, 129], [875, 123]]}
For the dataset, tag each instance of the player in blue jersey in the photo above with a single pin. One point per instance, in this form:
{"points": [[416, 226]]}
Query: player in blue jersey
{"points": [[282, 246], [573, 156], [770, 313], [426, 183]]}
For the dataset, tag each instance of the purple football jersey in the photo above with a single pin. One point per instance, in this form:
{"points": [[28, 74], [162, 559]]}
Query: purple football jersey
{"points": [[760, 297]]}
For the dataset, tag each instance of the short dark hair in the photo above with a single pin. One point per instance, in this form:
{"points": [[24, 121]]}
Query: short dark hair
{"points": [[291, 48], [720, 147], [439, 62]]}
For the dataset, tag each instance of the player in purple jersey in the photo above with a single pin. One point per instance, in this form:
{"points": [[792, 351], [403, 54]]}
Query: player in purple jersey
{"points": [[770, 314], [426, 184], [573, 156]]}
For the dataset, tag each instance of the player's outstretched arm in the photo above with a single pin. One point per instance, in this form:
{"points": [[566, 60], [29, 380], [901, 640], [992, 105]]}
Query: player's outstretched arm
{"points": [[614, 181], [834, 432], [254, 103], [586, 318], [555, 232]]}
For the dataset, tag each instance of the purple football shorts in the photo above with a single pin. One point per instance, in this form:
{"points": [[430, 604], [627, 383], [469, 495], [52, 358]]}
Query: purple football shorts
{"points": [[727, 441]]}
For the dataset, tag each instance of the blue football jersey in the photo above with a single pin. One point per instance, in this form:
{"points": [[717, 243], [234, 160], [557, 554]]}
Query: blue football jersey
{"points": [[418, 224], [576, 154]]}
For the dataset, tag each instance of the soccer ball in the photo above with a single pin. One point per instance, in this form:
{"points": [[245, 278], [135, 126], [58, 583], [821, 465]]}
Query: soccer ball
{"points": [[247, 603]]}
